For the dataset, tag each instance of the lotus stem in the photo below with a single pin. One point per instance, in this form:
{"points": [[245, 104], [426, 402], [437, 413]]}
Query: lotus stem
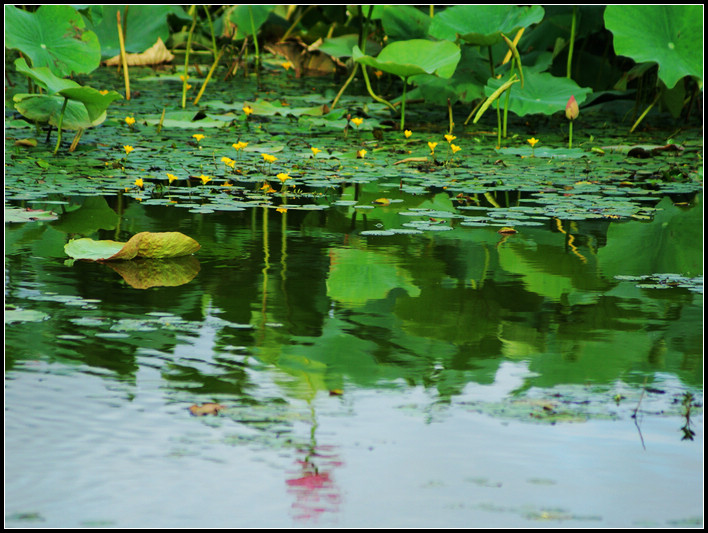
{"points": [[209, 75], [255, 41], [185, 77], [403, 104], [641, 117], [61, 120], [571, 45], [76, 140], [371, 91], [121, 40]]}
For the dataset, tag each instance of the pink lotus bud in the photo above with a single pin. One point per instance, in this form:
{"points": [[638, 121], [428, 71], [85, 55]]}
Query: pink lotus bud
{"points": [[571, 109]]}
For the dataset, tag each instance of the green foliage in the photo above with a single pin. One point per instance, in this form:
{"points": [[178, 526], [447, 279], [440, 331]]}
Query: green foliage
{"points": [[669, 35], [482, 25], [143, 25], [542, 93], [416, 56], [54, 37], [65, 104]]}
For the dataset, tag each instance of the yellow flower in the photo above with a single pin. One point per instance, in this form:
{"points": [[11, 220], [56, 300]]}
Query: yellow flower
{"points": [[449, 138], [205, 179], [129, 121], [532, 141], [171, 177], [239, 145], [198, 136], [378, 73], [455, 148], [281, 210], [287, 65], [128, 149], [357, 121], [139, 182], [228, 162], [226, 184], [407, 133], [361, 153], [432, 146], [315, 151], [247, 109], [267, 188], [104, 92], [269, 158], [283, 177]]}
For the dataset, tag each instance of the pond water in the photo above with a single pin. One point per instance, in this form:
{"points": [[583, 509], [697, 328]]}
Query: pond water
{"points": [[376, 349], [445, 378]]}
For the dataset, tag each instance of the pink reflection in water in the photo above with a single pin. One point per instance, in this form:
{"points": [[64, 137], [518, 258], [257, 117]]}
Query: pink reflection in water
{"points": [[313, 486]]}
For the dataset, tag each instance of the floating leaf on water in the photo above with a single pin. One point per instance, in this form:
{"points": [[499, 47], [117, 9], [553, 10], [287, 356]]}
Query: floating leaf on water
{"points": [[206, 409], [24, 315], [16, 214], [507, 231], [144, 244], [377, 232]]}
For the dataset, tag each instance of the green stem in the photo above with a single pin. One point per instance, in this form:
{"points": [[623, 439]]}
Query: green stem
{"points": [[211, 29], [572, 41], [346, 84], [255, 41], [570, 135], [61, 120], [186, 59], [403, 104], [371, 91]]}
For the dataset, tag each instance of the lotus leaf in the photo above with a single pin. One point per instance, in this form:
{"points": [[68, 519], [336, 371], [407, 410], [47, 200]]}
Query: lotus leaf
{"points": [[416, 56], [53, 37], [670, 35], [144, 244], [542, 93], [482, 25]]}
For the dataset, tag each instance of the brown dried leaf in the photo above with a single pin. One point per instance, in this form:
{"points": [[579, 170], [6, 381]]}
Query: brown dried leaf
{"points": [[156, 54], [206, 409]]}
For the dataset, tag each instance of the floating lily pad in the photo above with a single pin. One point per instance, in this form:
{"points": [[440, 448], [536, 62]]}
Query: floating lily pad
{"points": [[145, 245]]}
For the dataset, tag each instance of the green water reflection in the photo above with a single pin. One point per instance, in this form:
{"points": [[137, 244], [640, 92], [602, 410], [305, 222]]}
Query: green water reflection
{"points": [[304, 291]]}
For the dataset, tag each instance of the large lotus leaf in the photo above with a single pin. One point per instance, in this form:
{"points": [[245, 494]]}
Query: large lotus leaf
{"points": [[542, 93], [403, 22], [342, 45], [467, 84], [45, 108], [482, 25], [53, 37], [416, 56], [248, 18], [145, 244], [670, 35], [95, 102], [44, 77], [144, 24]]}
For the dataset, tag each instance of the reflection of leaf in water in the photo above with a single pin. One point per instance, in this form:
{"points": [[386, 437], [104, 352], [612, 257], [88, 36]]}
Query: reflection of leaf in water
{"points": [[147, 273], [357, 276], [94, 214], [670, 243]]}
